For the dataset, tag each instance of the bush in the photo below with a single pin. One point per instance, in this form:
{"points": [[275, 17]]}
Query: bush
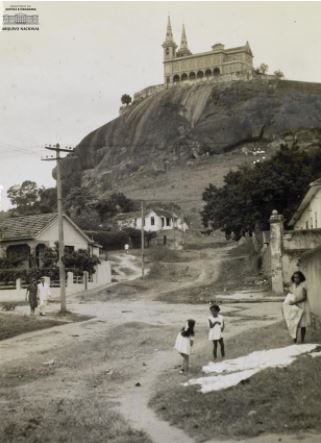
{"points": [[11, 275], [110, 240], [81, 261]]}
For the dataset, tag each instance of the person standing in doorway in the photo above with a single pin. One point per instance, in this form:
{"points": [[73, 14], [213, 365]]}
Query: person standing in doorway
{"points": [[32, 295], [43, 294]]}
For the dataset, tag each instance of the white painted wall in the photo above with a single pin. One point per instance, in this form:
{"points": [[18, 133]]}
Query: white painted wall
{"points": [[154, 223], [311, 216], [71, 236]]}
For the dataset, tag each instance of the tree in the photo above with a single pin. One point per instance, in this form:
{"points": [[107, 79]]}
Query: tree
{"points": [[262, 69], [122, 203], [278, 73], [248, 196], [126, 99], [47, 200], [24, 196]]}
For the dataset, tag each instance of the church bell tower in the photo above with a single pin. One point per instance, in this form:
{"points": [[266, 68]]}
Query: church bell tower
{"points": [[169, 45]]}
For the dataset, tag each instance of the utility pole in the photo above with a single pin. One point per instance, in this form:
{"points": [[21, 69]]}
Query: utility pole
{"points": [[143, 237], [62, 274]]}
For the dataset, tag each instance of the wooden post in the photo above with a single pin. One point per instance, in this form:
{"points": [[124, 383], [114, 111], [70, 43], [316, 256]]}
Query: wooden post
{"points": [[143, 237], [62, 273], [62, 276]]}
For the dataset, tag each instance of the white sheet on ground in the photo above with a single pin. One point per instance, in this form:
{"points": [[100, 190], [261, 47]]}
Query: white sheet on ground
{"points": [[236, 370], [219, 382], [315, 354], [292, 315]]}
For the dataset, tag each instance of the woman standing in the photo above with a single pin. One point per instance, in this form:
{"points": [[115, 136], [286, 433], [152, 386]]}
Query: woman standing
{"points": [[32, 295], [299, 290]]}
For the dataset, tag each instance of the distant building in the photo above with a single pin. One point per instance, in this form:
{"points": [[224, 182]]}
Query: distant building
{"points": [[308, 214], [26, 237], [156, 219], [219, 62]]}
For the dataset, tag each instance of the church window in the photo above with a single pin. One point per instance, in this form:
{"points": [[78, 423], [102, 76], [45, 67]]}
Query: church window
{"points": [[176, 78], [208, 73], [184, 76], [192, 76]]}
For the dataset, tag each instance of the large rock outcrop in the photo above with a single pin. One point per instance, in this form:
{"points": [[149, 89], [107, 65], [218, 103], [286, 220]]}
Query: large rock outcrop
{"points": [[186, 122]]}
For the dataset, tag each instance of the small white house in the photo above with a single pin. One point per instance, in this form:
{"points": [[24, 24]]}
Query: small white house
{"points": [[29, 235], [308, 214], [155, 220], [161, 220]]}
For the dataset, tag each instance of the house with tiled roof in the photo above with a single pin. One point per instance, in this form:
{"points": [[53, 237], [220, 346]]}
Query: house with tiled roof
{"points": [[26, 237], [155, 219]]}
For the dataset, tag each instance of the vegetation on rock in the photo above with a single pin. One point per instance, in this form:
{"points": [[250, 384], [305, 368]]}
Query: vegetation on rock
{"points": [[250, 193]]}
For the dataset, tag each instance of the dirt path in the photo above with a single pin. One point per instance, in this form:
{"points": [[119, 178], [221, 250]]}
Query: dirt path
{"points": [[96, 365]]}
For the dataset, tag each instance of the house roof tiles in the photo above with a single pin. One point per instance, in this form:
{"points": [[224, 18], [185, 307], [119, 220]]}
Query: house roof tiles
{"points": [[24, 227]]}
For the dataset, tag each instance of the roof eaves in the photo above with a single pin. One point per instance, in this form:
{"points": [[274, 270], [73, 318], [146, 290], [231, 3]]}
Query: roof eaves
{"points": [[313, 189]]}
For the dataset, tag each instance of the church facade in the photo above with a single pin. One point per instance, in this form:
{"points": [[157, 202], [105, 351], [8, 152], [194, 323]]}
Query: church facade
{"points": [[218, 63]]}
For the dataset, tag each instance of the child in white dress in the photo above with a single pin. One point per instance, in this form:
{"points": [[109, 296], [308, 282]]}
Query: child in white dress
{"points": [[216, 326], [184, 342]]}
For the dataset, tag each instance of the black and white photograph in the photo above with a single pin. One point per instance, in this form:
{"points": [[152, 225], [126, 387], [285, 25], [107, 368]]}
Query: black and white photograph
{"points": [[160, 222]]}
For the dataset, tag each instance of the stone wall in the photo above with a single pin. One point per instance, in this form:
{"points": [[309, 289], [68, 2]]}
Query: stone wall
{"points": [[287, 249]]}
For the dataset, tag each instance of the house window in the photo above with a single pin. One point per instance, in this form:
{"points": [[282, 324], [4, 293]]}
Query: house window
{"points": [[152, 221], [168, 221], [315, 219], [163, 222]]}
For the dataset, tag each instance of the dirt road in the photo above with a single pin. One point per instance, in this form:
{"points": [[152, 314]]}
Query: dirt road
{"points": [[69, 383]]}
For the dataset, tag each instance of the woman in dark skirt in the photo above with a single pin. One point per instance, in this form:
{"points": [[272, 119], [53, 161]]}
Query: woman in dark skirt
{"points": [[32, 295]]}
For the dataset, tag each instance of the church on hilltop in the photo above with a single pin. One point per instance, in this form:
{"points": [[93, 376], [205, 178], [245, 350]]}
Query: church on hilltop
{"points": [[218, 63]]}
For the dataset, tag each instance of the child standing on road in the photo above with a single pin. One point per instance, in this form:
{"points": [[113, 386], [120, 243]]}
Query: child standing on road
{"points": [[216, 325], [184, 343]]}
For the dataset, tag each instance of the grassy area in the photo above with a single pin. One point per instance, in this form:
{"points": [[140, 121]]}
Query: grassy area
{"points": [[283, 400], [12, 325], [75, 399], [68, 420]]}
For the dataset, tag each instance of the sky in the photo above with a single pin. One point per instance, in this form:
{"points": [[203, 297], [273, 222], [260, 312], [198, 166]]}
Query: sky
{"points": [[65, 80]]}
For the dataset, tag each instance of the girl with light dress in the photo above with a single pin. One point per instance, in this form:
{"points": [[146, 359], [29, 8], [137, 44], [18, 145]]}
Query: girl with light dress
{"points": [[184, 342], [216, 326]]}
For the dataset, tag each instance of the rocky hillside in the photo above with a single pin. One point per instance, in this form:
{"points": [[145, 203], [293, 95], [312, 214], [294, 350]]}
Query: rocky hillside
{"points": [[174, 143]]}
